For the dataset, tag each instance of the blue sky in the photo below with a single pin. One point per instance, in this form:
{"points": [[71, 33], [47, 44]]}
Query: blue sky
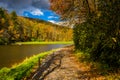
{"points": [[46, 15], [31, 8]]}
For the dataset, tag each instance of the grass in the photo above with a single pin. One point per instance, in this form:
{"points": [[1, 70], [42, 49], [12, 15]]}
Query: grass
{"points": [[95, 70], [18, 71], [56, 42]]}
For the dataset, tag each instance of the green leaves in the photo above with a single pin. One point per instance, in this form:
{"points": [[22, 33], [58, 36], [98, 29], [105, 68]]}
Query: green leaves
{"points": [[99, 35]]}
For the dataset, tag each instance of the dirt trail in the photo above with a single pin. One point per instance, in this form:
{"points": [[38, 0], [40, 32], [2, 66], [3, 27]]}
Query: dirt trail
{"points": [[61, 65], [69, 68], [64, 65]]}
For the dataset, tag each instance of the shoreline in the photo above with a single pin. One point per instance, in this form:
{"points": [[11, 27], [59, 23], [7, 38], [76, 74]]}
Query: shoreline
{"points": [[24, 68], [74, 61], [36, 42]]}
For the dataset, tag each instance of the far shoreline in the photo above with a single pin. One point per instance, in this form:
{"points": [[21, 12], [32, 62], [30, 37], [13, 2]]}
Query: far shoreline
{"points": [[37, 42]]}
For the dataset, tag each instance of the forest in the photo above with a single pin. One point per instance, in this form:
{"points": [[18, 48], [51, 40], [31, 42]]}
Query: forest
{"points": [[15, 28], [96, 27]]}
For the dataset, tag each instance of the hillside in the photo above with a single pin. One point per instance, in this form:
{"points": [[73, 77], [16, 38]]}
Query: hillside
{"points": [[15, 28], [42, 21]]}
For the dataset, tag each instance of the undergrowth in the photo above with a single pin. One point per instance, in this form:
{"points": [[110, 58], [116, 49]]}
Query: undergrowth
{"points": [[97, 71]]}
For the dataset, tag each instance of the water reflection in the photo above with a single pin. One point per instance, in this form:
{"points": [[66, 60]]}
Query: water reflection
{"points": [[12, 54]]}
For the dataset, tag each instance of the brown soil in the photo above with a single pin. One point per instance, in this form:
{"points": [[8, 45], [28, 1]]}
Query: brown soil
{"points": [[63, 65], [69, 68]]}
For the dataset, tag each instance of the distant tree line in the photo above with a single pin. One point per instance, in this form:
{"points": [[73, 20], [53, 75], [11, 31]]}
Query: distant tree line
{"points": [[14, 28], [97, 27]]}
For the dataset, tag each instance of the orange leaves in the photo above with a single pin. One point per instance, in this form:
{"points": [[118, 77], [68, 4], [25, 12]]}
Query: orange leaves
{"points": [[70, 9], [60, 6]]}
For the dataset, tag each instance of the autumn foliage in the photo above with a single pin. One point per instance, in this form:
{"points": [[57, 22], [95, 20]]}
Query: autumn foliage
{"points": [[96, 29], [14, 28]]}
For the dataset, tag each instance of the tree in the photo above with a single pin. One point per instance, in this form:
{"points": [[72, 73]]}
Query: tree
{"points": [[14, 28], [3, 19], [13, 15], [73, 10], [109, 35], [97, 29]]}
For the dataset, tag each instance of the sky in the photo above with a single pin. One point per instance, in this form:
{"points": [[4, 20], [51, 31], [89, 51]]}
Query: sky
{"points": [[31, 8]]}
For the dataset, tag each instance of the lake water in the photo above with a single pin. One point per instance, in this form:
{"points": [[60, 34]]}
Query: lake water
{"points": [[12, 54]]}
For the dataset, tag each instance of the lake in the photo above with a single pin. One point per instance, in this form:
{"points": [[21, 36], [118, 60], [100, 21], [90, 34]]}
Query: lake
{"points": [[11, 54]]}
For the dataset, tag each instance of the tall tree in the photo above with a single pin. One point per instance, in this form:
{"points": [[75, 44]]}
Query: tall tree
{"points": [[100, 30]]}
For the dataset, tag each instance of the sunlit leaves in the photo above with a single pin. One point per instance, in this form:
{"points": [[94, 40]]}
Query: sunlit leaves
{"points": [[100, 32], [73, 9], [15, 28]]}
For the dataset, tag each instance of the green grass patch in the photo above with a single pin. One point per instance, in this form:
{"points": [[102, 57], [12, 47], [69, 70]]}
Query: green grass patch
{"points": [[18, 71], [56, 42]]}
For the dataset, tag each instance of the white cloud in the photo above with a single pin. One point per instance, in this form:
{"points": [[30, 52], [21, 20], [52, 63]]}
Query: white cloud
{"points": [[62, 23], [65, 23], [52, 21], [49, 17], [37, 12]]}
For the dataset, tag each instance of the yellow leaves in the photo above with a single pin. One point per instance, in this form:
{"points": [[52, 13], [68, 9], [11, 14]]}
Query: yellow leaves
{"points": [[11, 27], [98, 14], [114, 39], [21, 27], [2, 20]]}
